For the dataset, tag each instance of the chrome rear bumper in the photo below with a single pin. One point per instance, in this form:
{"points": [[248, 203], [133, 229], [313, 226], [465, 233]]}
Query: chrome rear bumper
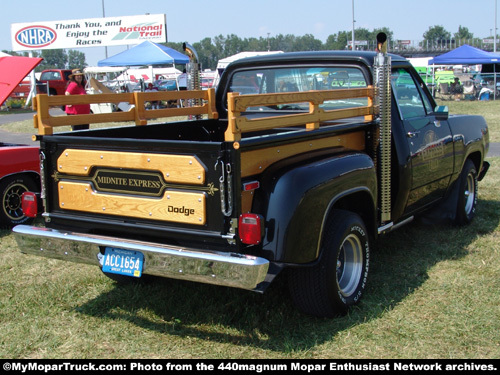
{"points": [[219, 268]]}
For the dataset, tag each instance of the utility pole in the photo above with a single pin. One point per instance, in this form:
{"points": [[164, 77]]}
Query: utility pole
{"points": [[104, 16], [495, 33], [353, 21]]}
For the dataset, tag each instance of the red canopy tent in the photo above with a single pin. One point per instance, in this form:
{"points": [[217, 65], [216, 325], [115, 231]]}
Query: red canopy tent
{"points": [[13, 69]]}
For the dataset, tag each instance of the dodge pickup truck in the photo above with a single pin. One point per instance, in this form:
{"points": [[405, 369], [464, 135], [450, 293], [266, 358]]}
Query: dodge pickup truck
{"points": [[297, 162]]}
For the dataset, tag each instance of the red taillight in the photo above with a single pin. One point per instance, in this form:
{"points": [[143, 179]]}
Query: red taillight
{"points": [[251, 228], [251, 186], [30, 204]]}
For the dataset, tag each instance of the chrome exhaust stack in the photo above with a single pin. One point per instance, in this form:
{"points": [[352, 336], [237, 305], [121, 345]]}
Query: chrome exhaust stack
{"points": [[192, 68], [193, 75], [382, 73]]}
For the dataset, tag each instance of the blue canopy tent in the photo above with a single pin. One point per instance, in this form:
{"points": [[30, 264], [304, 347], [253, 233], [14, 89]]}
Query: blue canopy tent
{"points": [[146, 53], [467, 55]]}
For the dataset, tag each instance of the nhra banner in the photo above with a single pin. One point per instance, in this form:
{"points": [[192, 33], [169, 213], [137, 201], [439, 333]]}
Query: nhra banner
{"points": [[92, 32]]}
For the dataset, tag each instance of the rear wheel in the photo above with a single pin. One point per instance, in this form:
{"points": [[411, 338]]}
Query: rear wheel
{"points": [[338, 280]]}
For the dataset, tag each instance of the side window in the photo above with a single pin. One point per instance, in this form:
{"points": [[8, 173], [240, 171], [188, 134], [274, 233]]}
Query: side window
{"points": [[408, 95]]}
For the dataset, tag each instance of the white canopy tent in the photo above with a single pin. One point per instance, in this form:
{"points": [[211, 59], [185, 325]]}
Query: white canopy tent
{"points": [[223, 63]]}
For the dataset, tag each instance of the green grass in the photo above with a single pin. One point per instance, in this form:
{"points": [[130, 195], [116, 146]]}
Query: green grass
{"points": [[488, 109], [432, 293], [26, 126]]}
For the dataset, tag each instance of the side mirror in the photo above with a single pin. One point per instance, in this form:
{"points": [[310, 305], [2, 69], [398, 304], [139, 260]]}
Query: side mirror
{"points": [[441, 112]]}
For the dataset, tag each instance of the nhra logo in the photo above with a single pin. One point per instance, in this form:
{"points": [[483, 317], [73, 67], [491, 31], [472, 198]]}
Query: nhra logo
{"points": [[36, 36]]}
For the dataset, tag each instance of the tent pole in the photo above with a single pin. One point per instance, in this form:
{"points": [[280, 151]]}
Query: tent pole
{"points": [[433, 81], [495, 82]]}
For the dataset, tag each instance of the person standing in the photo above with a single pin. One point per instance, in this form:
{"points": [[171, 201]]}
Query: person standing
{"points": [[151, 88], [76, 86]]}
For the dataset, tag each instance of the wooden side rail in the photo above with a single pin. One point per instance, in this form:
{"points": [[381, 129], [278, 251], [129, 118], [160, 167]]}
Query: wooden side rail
{"points": [[43, 121], [239, 124]]}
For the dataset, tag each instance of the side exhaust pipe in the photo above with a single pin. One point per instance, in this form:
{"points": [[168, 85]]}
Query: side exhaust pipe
{"points": [[193, 75], [383, 86]]}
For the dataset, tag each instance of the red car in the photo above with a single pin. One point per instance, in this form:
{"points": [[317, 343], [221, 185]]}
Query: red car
{"points": [[19, 172], [19, 164]]}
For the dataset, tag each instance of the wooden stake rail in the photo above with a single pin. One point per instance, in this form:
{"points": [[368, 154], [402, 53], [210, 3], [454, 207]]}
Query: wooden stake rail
{"points": [[239, 124], [45, 122]]}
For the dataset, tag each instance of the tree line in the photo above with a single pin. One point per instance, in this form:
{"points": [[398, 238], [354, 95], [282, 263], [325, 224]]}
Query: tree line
{"points": [[211, 50], [56, 59]]}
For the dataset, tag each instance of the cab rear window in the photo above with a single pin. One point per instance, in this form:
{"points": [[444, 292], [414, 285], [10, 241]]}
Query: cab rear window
{"points": [[279, 80]]}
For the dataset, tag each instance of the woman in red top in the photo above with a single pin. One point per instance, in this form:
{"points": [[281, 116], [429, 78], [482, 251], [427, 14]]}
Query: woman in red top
{"points": [[76, 86]]}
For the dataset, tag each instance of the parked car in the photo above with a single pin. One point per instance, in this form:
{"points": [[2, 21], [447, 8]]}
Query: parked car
{"points": [[206, 83], [166, 85], [22, 90], [19, 172]]}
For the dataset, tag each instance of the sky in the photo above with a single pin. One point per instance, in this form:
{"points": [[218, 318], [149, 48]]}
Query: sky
{"points": [[193, 20]]}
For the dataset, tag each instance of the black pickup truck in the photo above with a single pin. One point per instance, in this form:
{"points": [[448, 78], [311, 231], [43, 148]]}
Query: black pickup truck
{"points": [[304, 159]]}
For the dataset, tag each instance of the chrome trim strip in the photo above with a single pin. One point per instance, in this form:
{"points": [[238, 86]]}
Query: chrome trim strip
{"points": [[219, 268]]}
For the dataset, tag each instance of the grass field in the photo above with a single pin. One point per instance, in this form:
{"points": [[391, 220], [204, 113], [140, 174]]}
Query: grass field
{"points": [[433, 293], [488, 109]]}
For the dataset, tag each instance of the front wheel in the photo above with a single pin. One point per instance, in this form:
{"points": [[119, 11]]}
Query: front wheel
{"points": [[467, 198], [338, 280], [11, 190]]}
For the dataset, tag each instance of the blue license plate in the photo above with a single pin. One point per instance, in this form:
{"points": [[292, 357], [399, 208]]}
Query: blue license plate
{"points": [[123, 262]]}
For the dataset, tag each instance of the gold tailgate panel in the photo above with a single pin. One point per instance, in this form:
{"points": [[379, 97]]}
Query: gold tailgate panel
{"points": [[135, 185]]}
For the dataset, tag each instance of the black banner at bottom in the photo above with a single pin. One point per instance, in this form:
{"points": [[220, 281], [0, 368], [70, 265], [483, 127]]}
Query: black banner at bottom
{"points": [[229, 366]]}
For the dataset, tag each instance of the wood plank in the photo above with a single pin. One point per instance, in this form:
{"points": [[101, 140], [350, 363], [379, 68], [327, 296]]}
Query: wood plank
{"points": [[242, 102], [248, 125], [44, 122], [256, 161], [174, 206], [238, 124], [181, 169]]}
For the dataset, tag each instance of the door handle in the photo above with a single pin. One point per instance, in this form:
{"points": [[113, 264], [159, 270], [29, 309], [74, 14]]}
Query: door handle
{"points": [[412, 134]]}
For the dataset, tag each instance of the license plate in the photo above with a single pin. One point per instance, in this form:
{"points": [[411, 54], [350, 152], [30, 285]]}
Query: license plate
{"points": [[123, 262]]}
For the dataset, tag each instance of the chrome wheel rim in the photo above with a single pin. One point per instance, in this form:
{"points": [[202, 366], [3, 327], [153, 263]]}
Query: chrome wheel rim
{"points": [[349, 265], [470, 193], [12, 202]]}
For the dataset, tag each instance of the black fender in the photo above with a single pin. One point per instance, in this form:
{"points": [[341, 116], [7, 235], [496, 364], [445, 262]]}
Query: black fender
{"points": [[471, 141], [300, 197]]}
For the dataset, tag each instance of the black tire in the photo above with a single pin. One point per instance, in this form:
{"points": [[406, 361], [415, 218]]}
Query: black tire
{"points": [[467, 194], [338, 280], [11, 190]]}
